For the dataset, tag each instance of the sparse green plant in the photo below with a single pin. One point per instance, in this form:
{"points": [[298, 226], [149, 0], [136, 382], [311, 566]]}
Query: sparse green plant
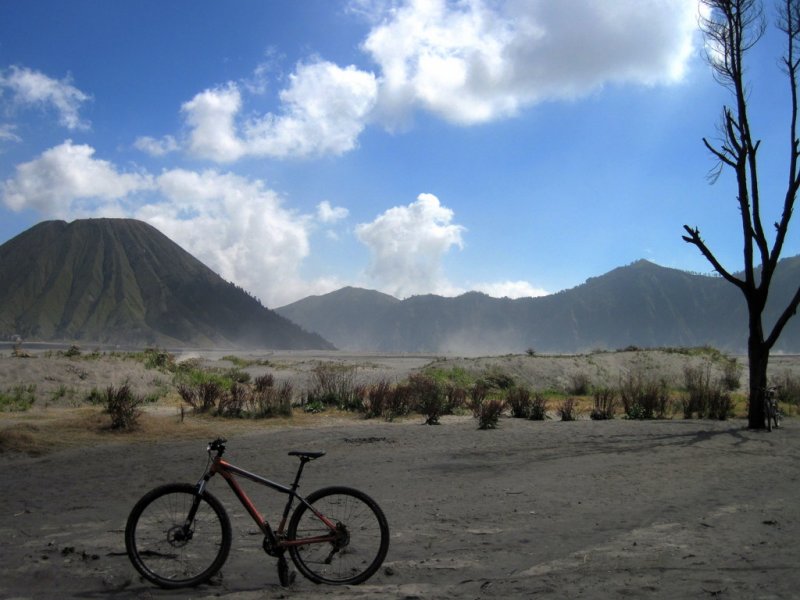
{"points": [[530, 352], [568, 410], [95, 397], [605, 404], [236, 375], [314, 407], [123, 406], [19, 398], [73, 351], [162, 360], [494, 378]]}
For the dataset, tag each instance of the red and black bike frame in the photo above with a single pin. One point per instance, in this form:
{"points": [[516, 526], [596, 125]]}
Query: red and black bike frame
{"points": [[228, 472]]}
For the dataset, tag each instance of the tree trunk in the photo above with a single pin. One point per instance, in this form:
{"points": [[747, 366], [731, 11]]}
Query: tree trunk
{"points": [[758, 356]]}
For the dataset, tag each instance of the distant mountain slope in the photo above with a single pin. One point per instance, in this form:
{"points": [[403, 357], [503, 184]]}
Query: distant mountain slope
{"points": [[642, 304], [121, 281]]}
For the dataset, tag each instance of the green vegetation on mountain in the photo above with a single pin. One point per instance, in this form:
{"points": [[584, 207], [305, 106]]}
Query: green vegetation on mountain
{"points": [[120, 281]]}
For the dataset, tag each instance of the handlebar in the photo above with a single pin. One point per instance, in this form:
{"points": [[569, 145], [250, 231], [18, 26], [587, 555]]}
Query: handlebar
{"points": [[217, 445]]}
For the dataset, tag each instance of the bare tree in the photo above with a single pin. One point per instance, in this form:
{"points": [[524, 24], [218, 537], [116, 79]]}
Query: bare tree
{"points": [[731, 28]]}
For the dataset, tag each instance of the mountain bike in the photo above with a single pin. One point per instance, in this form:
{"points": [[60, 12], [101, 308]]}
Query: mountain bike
{"points": [[771, 410], [179, 535]]}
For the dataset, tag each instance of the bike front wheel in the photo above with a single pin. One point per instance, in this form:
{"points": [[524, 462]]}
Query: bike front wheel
{"points": [[169, 547], [362, 536]]}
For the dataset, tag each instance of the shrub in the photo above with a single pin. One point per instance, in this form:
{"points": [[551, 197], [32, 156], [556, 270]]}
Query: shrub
{"points": [[231, 402], [579, 384], [644, 398], [455, 398], [788, 388], [705, 398], [334, 385], [274, 401], [159, 359], [731, 374], [477, 394], [19, 398], [568, 411], [264, 381], [538, 409], [427, 398], [203, 397], [123, 406], [375, 399], [605, 404], [519, 401], [398, 403], [488, 413]]}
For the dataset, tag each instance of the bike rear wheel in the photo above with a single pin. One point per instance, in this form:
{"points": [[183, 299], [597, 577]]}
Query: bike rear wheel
{"points": [[362, 537], [166, 549]]}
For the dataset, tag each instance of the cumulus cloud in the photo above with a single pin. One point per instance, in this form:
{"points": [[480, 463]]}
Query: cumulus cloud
{"points": [[468, 62], [331, 214], [407, 245], [211, 116], [323, 111], [235, 225], [67, 180], [33, 88], [476, 61]]}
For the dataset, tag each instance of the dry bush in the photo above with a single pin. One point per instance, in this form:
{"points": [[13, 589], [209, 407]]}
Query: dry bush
{"points": [[579, 384], [644, 397], [519, 401], [538, 409], [267, 380], [376, 399], [788, 388], [123, 406], [605, 404], [271, 401], [568, 411], [455, 398], [477, 394], [704, 397], [232, 402], [398, 403], [489, 411], [427, 397], [202, 397], [334, 385]]}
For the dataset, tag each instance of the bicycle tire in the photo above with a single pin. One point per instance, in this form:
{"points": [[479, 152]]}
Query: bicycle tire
{"points": [[152, 537], [366, 531]]}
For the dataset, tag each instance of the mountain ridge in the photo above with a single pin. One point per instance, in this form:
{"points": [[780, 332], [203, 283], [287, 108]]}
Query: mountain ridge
{"points": [[641, 304]]}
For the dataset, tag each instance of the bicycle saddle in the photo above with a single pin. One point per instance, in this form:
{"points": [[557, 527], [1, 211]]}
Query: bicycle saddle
{"points": [[306, 455]]}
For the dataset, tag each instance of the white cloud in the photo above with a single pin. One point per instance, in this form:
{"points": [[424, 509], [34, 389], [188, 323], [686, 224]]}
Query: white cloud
{"points": [[155, 147], [7, 133], [236, 226], [476, 61], [67, 180], [408, 243], [324, 110], [510, 289], [211, 116], [29, 87], [330, 214]]}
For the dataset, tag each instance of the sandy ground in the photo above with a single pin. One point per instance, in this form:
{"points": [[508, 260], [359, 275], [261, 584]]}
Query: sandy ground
{"points": [[613, 509]]}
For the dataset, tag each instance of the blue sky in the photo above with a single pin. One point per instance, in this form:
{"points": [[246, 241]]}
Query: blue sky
{"points": [[515, 147]]}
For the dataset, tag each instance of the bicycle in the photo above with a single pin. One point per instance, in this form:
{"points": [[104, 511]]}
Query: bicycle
{"points": [[771, 410], [179, 535]]}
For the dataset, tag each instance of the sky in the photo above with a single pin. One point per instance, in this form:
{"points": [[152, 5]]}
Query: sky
{"points": [[513, 147]]}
